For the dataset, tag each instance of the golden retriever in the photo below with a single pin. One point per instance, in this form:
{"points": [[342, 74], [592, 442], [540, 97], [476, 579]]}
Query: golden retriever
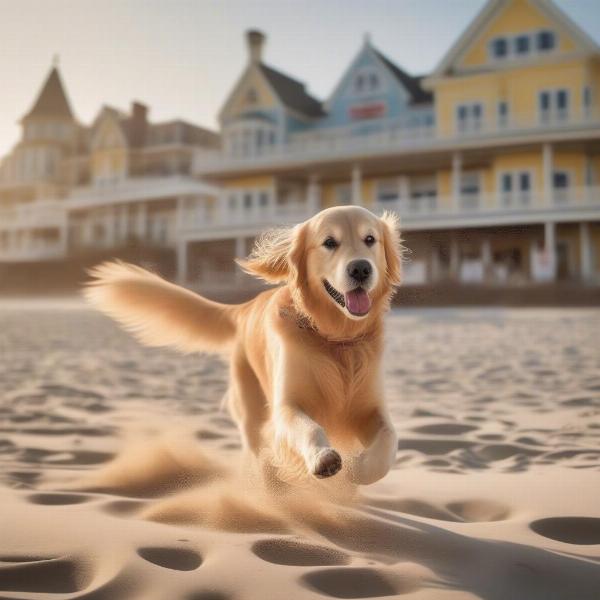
{"points": [[305, 356]]}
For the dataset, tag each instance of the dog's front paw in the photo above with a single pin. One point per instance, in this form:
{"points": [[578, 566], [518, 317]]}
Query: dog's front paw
{"points": [[365, 469], [327, 463]]}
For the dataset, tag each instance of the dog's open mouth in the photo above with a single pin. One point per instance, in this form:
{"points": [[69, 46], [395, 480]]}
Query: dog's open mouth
{"points": [[356, 301]]}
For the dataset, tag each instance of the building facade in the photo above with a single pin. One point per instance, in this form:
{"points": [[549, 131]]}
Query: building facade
{"points": [[492, 161], [73, 190]]}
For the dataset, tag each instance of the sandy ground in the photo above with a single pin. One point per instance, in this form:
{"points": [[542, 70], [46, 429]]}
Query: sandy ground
{"points": [[120, 475]]}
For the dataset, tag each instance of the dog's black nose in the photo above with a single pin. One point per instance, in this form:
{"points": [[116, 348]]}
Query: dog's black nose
{"points": [[359, 270]]}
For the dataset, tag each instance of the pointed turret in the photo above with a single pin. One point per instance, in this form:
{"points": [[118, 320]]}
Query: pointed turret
{"points": [[52, 100]]}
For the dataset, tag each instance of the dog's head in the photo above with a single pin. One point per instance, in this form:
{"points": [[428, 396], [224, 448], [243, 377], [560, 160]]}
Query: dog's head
{"points": [[344, 259]]}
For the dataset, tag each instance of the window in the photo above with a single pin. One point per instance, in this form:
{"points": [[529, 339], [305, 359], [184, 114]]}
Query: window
{"points": [[499, 48], [522, 44], [423, 194], [553, 105], [263, 199], [359, 84], [247, 201], [560, 183], [515, 188], [469, 117], [502, 113], [469, 184], [562, 101], [525, 182], [388, 190], [560, 180], [469, 190], [546, 41], [587, 100], [367, 81]]}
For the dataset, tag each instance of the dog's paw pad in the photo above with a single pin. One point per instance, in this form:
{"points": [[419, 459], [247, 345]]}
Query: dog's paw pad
{"points": [[328, 463]]}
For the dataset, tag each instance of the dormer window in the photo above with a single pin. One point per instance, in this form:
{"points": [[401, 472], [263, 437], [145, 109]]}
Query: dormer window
{"points": [[499, 48], [546, 41], [359, 84], [522, 44], [366, 81]]}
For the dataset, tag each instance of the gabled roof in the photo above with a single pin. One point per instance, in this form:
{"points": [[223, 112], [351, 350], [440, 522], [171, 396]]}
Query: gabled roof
{"points": [[409, 82], [489, 11], [291, 92], [52, 100]]}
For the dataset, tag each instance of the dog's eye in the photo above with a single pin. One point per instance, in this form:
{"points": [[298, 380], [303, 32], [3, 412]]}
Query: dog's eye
{"points": [[330, 243], [369, 240]]}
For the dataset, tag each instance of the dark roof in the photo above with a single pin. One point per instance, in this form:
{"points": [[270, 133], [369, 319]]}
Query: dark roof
{"points": [[52, 100], [411, 84], [178, 130], [292, 93]]}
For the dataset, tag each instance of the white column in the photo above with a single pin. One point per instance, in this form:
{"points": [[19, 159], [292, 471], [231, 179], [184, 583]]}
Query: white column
{"points": [[182, 260], [123, 223], [586, 255], [548, 173], [110, 222], [434, 264], [141, 221], [313, 194], [404, 184], [240, 252], [550, 247], [454, 258], [180, 214], [356, 185], [87, 226], [486, 257], [12, 242], [456, 179]]}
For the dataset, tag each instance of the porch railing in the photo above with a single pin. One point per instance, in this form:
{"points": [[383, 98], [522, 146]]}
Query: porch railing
{"points": [[388, 135]]}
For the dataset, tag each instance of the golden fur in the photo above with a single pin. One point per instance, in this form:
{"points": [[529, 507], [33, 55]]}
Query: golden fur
{"points": [[305, 372]]}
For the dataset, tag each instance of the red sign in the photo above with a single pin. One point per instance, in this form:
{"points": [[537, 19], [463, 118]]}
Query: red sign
{"points": [[367, 111]]}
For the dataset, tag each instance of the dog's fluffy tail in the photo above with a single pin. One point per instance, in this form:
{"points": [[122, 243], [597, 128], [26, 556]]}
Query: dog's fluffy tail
{"points": [[159, 313]]}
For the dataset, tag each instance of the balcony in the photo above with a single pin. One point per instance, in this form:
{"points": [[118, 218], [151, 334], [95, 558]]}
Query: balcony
{"points": [[470, 210], [395, 137], [39, 251], [34, 215], [136, 190], [203, 222], [225, 220]]}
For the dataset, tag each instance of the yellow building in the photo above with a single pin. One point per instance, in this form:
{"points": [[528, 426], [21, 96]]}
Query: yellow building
{"points": [[492, 160]]}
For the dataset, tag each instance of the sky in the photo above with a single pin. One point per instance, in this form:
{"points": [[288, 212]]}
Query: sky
{"points": [[182, 57]]}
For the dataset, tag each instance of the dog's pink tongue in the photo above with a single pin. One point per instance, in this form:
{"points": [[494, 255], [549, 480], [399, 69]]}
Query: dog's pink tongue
{"points": [[358, 301]]}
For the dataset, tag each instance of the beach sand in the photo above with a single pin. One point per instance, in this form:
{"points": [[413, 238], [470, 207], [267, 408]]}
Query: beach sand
{"points": [[121, 477]]}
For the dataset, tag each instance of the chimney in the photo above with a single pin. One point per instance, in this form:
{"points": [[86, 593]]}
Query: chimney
{"points": [[139, 123], [256, 40]]}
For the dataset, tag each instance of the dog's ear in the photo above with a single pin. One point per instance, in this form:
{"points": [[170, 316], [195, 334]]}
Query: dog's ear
{"points": [[274, 255], [392, 244]]}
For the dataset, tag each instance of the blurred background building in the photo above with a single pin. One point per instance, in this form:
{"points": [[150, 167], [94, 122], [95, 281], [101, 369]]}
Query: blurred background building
{"points": [[492, 161]]}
